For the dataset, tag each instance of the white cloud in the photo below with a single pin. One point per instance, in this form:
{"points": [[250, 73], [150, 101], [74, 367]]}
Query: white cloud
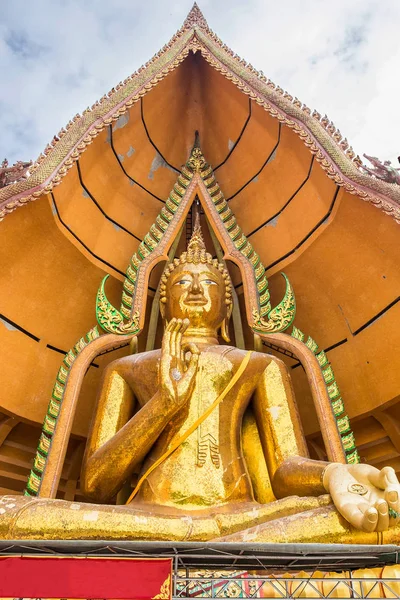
{"points": [[59, 56]]}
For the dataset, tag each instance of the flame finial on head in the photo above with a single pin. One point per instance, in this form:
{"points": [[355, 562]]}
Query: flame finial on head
{"points": [[196, 242]]}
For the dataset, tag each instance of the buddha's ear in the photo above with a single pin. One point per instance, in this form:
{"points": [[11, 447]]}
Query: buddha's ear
{"points": [[162, 307], [225, 324]]}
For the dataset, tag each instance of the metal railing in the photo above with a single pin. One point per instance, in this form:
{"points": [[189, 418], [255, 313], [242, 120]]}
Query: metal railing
{"points": [[245, 585], [227, 570]]}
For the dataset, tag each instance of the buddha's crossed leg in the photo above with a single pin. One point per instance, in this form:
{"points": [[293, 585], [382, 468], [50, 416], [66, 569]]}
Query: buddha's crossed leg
{"points": [[290, 520]]}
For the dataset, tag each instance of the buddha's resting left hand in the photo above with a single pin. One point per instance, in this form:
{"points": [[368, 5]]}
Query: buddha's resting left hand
{"points": [[368, 498]]}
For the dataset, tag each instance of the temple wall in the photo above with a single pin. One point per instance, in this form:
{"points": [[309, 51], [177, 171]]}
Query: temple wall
{"points": [[346, 281], [49, 291]]}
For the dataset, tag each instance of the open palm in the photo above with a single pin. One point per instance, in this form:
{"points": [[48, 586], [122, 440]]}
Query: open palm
{"points": [[367, 497]]}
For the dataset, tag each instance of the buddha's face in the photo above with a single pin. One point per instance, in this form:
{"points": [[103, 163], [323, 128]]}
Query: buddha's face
{"points": [[196, 292]]}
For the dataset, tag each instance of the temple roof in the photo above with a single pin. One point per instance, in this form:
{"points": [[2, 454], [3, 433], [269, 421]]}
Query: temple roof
{"points": [[317, 133]]}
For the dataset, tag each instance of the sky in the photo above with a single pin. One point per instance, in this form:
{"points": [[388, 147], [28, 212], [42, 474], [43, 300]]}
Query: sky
{"points": [[59, 56]]}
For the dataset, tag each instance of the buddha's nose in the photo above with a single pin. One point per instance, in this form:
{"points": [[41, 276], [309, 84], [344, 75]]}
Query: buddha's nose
{"points": [[195, 287]]}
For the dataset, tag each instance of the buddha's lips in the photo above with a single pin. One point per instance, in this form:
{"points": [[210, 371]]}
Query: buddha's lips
{"points": [[201, 301]]}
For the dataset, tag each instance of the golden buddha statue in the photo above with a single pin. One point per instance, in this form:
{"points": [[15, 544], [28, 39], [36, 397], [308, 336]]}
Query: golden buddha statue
{"points": [[213, 436]]}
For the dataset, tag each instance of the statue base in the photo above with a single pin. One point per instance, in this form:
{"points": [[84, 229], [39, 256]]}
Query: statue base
{"points": [[215, 570]]}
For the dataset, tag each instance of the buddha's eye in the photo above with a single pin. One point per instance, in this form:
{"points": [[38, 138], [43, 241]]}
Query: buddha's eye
{"points": [[182, 282], [209, 282]]}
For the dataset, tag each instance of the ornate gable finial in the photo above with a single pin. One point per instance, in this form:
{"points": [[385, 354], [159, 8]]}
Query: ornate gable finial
{"points": [[196, 160], [195, 18]]}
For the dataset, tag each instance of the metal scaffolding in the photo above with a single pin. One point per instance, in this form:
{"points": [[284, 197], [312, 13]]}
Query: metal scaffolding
{"points": [[226, 570]]}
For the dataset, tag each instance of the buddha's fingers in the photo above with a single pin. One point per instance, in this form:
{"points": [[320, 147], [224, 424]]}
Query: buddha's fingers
{"points": [[361, 515], [193, 362], [183, 325], [165, 347], [193, 349], [171, 325], [168, 332], [384, 478], [392, 497], [172, 342], [383, 515]]}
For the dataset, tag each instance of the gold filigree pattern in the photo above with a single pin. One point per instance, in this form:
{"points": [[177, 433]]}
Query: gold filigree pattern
{"points": [[195, 18], [165, 590], [280, 317], [110, 319], [196, 161]]}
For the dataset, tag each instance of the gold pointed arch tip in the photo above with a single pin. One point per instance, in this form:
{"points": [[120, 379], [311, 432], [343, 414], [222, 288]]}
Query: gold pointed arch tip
{"points": [[110, 319], [262, 318], [280, 317]]}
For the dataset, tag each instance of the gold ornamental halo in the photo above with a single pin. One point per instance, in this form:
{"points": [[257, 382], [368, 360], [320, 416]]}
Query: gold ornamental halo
{"points": [[196, 180]]}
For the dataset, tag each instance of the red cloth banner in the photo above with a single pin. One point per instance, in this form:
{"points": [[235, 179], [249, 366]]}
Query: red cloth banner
{"points": [[62, 577]]}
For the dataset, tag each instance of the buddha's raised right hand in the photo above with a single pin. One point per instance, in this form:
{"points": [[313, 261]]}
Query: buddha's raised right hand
{"points": [[178, 366]]}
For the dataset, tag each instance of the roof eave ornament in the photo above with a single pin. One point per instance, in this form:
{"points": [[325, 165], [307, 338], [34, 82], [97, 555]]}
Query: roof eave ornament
{"points": [[195, 19]]}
